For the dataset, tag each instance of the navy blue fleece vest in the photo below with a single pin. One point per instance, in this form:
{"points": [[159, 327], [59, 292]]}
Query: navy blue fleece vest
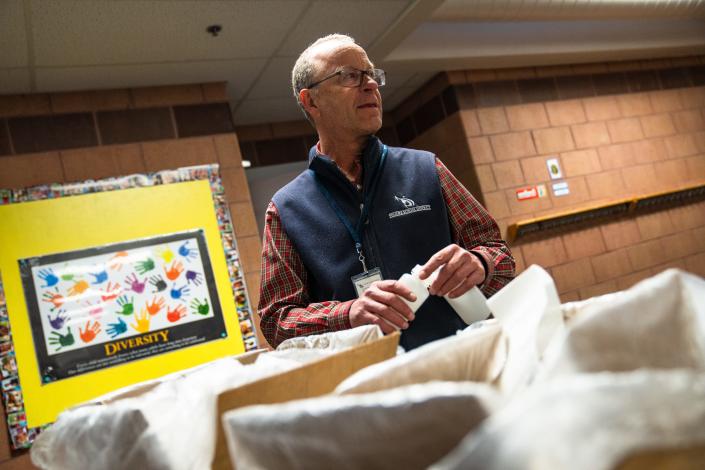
{"points": [[407, 224]]}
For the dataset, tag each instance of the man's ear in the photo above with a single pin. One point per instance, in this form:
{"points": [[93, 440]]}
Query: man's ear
{"points": [[306, 98]]}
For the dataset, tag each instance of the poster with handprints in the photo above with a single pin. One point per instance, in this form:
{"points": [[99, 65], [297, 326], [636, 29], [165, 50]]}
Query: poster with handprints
{"points": [[103, 306]]}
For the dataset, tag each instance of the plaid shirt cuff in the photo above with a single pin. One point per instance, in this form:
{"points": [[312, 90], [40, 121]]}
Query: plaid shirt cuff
{"points": [[339, 317], [486, 260]]}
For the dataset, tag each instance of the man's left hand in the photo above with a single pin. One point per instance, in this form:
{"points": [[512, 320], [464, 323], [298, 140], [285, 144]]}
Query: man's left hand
{"points": [[460, 272]]}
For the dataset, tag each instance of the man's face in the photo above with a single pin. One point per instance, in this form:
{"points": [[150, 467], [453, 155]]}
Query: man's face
{"points": [[340, 109]]}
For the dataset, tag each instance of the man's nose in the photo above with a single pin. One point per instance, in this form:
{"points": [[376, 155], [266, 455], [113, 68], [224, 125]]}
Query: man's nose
{"points": [[368, 83]]}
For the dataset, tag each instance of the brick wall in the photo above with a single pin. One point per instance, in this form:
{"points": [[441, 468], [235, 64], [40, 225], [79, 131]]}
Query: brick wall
{"points": [[67, 137], [287, 142], [618, 130]]}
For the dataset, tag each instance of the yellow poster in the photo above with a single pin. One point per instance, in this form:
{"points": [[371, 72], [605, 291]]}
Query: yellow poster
{"points": [[108, 289]]}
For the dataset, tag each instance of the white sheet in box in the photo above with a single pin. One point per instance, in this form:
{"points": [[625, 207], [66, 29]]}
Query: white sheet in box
{"points": [[590, 422], [172, 424], [659, 323], [406, 427]]}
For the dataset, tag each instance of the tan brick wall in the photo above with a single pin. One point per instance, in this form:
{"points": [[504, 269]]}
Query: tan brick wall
{"points": [[609, 147]]}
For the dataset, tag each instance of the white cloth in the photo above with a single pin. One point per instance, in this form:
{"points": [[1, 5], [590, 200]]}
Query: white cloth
{"points": [[588, 422], [627, 374], [337, 340], [529, 310], [406, 427], [476, 354], [658, 323]]}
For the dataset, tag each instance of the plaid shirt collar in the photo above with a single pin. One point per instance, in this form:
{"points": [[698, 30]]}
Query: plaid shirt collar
{"points": [[325, 167]]}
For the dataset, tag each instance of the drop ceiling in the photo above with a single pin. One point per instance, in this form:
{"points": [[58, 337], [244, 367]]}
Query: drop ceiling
{"points": [[68, 45]]}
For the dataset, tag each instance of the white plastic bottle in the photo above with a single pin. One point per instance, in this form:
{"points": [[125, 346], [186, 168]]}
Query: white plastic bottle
{"points": [[470, 307], [417, 286]]}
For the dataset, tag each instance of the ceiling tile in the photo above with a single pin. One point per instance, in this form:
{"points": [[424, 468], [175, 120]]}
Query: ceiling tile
{"points": [[14, 81], [364, 20], [74, 32], [13, 52], [275, 81], [238, 73], [267, 110]]}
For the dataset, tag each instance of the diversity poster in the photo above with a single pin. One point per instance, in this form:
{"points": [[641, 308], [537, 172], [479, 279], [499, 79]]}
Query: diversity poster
{"points": [[108, 283], [103, 306]]}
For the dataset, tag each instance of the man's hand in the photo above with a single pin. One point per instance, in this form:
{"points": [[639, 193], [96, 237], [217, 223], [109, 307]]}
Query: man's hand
{"points": [[460, 272], [381, 304]]}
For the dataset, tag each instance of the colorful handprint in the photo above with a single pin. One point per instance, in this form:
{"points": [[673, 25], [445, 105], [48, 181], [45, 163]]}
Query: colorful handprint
{"points": [[166, 254], [156, 305], [174, 271], [176, 314], [186, 251], [193, 276], [62, 340], [111, 292], [116, 329], [100, 277], [200, 308], [79, 287], [95, 310], [127, 305], [158, 283], [48, 276], [67, 276], [142, 322], [135, 284], [179, 292], [55, 298], [117, 260], [58, 322], [90, 333], [144, 266]]}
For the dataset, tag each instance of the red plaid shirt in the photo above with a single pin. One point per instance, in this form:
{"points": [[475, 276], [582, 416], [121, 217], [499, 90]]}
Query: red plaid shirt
{"points": [[284, 307]]}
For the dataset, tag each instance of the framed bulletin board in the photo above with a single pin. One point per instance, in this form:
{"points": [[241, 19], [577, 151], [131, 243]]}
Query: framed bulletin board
{"points": [[110, 283]]}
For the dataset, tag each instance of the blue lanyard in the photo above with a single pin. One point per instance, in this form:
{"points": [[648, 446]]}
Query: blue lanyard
{"points": [[356, 232]]}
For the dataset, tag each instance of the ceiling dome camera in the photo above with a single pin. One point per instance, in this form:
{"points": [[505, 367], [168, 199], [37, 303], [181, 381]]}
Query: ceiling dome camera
{"points": [[214, 29]]}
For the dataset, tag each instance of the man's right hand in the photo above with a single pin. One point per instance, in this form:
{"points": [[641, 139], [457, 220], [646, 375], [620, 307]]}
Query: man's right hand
{"points": [[381, 304]]}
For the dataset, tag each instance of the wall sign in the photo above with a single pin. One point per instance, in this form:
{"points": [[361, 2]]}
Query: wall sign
{"points": [[561, 189], [554, 168], [531, 192]]}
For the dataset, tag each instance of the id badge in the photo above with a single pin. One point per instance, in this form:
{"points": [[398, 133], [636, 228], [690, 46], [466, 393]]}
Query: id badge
{"points": [[363, 280]]}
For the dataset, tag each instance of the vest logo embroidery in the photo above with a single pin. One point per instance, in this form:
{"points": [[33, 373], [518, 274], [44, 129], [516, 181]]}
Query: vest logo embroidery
{"points": [[405, 200], [409, 207]]}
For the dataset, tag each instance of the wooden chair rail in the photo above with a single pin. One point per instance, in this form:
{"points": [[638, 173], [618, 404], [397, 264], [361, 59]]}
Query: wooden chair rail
{"points": [[628, 206]]}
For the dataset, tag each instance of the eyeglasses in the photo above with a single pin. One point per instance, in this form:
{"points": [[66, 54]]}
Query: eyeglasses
{"points": [[351, 77]]}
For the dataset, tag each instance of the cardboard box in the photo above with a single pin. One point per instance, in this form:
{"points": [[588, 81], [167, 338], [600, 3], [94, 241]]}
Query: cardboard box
{"points": [[311, 380]]}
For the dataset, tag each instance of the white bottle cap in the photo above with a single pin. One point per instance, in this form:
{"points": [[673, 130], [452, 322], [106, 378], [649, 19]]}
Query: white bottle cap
{"points": [[429, 280]]}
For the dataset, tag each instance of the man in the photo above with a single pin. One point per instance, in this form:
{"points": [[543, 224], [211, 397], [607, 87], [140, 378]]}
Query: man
{"points": [[340, 234]]}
